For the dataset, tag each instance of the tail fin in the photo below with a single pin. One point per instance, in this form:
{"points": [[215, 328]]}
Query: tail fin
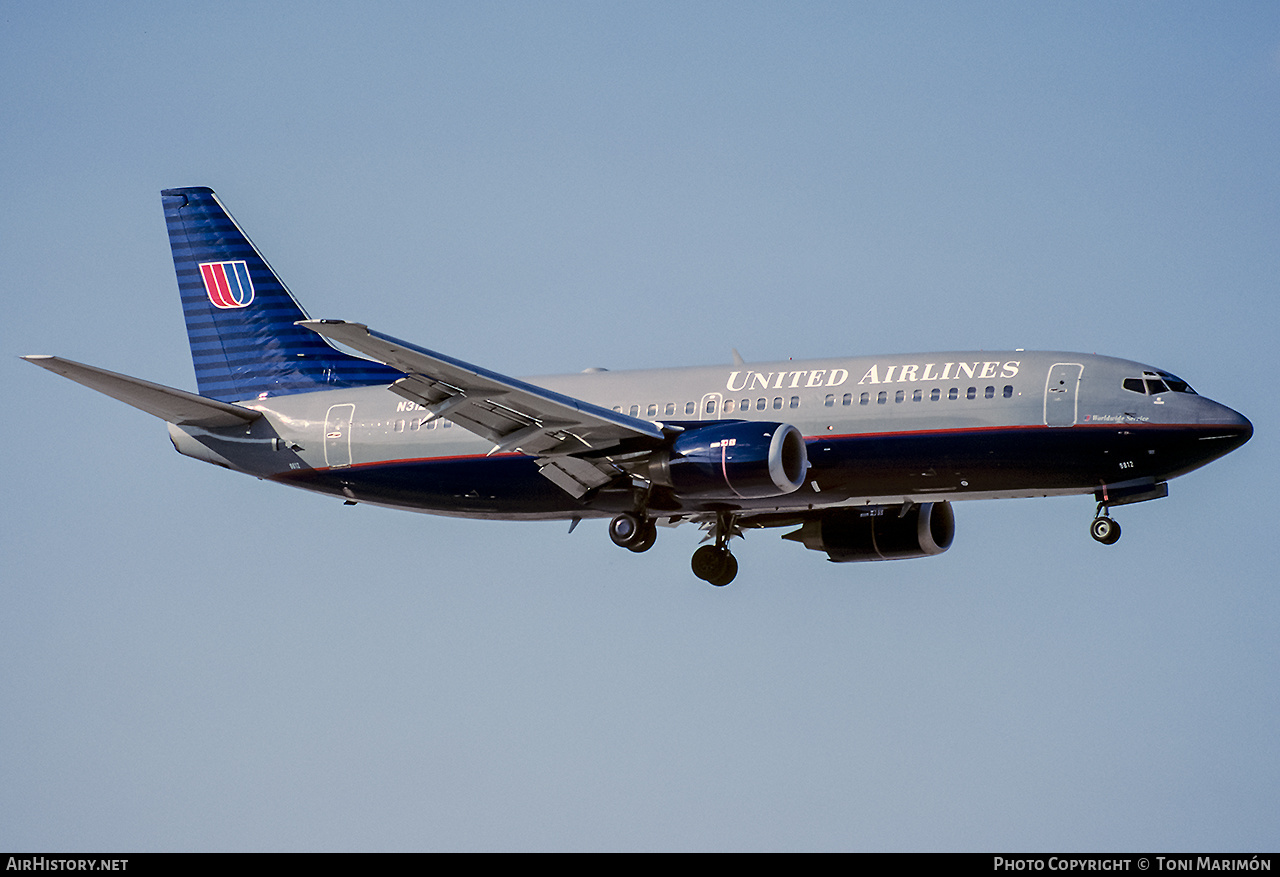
{"points": [[240, 316]]}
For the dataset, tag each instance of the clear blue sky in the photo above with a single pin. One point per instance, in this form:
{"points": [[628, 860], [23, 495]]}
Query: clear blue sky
{"points": [[194, 660]]}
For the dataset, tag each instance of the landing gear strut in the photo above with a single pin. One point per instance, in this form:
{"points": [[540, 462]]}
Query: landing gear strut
{"points": [[1104, 528], [714, 563], [633, 532]]}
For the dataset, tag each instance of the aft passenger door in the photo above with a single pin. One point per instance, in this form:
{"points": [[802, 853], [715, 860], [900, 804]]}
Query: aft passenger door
{"points": [[1061, 392], [337, 436]]}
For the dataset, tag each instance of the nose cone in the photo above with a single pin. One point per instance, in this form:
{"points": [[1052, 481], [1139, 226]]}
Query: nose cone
{"points": [[1242, 427], [1226, 428]]}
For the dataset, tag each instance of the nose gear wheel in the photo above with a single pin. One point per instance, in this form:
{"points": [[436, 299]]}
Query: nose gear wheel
{"points": [[1104, 528]]}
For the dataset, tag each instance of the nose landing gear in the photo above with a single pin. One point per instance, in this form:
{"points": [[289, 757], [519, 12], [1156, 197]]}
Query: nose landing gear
{"points": [[1104, 528]]}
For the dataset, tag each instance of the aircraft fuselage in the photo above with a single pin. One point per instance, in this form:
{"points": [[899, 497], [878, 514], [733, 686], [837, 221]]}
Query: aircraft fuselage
{"points": [[878, 430]]}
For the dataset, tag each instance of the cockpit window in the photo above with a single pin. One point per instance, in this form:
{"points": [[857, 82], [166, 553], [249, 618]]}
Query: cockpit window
{"points": [[1155, 383], [1177, 384]]}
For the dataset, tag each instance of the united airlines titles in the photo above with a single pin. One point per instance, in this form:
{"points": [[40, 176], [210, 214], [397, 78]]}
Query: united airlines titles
{"points": [[820, 377], [909, 373]]}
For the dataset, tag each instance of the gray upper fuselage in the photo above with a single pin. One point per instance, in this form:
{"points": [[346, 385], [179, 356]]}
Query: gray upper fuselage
{"points": [[957, 407]]}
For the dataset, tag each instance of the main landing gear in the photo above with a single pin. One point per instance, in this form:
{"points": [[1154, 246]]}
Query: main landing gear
{"points": [[633, 532], [1104, 528], [711, 563], [714, 563]]}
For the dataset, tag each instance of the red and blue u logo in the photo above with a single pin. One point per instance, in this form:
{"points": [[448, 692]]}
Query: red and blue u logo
{"points": [[227, 283]]}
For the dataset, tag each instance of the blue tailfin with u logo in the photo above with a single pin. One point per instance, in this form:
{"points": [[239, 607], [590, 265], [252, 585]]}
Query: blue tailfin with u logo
{"points": [[240, 316]]}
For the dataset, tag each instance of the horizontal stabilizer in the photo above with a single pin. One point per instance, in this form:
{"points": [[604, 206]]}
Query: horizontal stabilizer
{"points": [[167, 403]]}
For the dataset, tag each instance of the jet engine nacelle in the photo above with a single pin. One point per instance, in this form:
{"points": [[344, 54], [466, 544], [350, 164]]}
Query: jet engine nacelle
{"points": [[743, 460], [880, 532]]}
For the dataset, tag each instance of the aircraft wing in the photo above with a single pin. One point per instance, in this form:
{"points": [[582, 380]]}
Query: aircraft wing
{"points": [[511, 413], [167, 403]]}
